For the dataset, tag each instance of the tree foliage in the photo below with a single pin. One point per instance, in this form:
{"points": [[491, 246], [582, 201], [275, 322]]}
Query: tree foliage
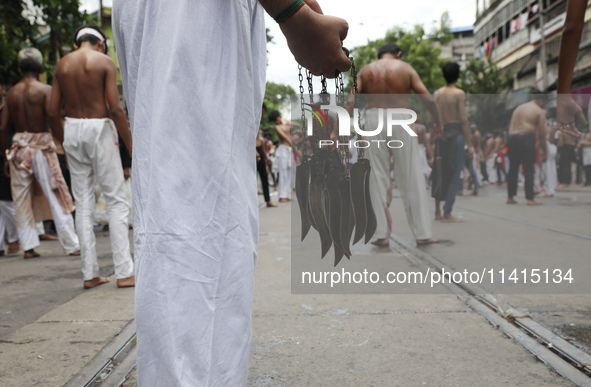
{"points": [[419, 48], [484, 77], [485, 85], [277, 97], [20, 23]]}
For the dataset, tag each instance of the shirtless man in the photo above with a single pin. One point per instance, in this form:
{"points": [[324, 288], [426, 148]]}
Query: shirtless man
{"points": [[451, 103], [476, 157], [387, 83], [261, 145], [84, 81], [283, 155], [527, 121], [32, 157]]}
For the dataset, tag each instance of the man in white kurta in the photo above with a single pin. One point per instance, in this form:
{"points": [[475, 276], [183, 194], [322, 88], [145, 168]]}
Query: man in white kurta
{"points": [[194, 76]]}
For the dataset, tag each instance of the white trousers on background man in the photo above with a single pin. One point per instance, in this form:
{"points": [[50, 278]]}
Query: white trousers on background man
{"points": [[284, 158], [408, 176], [93, 153]]}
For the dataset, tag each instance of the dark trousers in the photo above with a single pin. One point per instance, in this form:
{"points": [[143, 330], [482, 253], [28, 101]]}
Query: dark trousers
{"points": [[483, 171], [566, 157], [587, 174], [262, 170], [522, 151]]}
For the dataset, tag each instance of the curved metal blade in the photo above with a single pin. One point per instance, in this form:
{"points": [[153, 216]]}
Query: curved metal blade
{"points": [[357, 173], [302, 182], [346, 214], [315, 194], [372, 223], [338, 255], [331, 184]]}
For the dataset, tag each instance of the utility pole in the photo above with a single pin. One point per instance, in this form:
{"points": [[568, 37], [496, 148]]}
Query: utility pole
{"points": [[100, 14], [543, 48]]}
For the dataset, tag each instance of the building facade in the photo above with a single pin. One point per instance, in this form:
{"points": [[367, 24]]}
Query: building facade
{"points": [[508, 32]]}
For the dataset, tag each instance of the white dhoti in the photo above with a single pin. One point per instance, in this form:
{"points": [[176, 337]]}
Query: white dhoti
{"points": [[8, 228], [408, 175], [34, 165], [283, 158], [93, 153], [195, 202], [424, 162], [491, 169], [550, 170], [537, 177]]}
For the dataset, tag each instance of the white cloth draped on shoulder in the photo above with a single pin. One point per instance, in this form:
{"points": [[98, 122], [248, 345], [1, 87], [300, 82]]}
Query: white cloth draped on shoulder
{"points": [[194, 78]]}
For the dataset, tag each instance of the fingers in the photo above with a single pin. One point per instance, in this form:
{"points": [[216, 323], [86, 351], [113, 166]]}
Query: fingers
{"points": [[314, 5], [582, 117]]}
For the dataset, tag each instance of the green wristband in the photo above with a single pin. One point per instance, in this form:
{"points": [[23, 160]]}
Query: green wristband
{"points": [[289, 11]]}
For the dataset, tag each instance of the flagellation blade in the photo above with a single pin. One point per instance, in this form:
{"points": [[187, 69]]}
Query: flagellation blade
{"points": [[357, 173], [316, 202], [301, 185], [346, 214], [372, 223]]}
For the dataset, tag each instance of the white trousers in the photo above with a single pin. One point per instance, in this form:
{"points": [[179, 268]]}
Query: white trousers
{"points": [[284, 159], [7, 223], [21, 192], [408, 176], [550, 170], [93, 153]]}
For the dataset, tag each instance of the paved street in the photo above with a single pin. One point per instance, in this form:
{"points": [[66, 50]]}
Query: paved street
{"points": [[52, 330]]}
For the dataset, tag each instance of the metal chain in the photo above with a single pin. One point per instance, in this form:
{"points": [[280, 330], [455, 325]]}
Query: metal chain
{"points": [[304, 132], [356, 91]]}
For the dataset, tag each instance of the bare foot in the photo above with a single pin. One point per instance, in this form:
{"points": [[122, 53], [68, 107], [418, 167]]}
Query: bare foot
{"points": [[13, 247], [533, 203], [270, 204], [475, 193], [423, 242], [449, 218], [437, 217], [126, 282], [460, 193], [31, 254], [548, 196], [562, 186], [95, 282], [511, 201], [381, 242], [47, 237], [284, 200], [75, 253]]}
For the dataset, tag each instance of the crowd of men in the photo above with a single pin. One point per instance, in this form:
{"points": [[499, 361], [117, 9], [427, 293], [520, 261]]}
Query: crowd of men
{"points": [[69, 129], [454, 154]]}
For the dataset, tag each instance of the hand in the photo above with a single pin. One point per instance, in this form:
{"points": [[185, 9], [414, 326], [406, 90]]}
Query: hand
{"points": [[126, 173], [314, 5], [315, 42], [438, 130], [566, 111]]}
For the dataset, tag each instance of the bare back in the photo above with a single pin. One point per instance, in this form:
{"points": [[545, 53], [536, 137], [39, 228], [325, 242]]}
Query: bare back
{"points": [[450, 102], [81, 76], [28, 103], [389, 81], [527, 118]]}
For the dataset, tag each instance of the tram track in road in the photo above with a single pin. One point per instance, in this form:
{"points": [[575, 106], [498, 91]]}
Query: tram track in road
{"points": [[562, 356], [111, 366]]}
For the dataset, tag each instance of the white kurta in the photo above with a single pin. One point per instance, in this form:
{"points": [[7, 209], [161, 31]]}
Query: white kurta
{"points": [[194, 77]]}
